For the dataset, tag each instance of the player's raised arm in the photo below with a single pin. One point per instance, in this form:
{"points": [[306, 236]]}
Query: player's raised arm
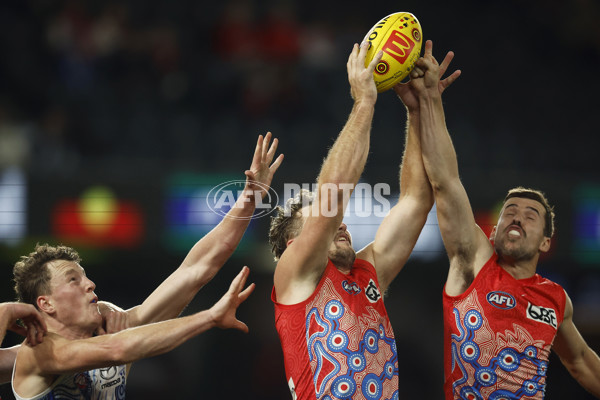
{"points": [[302, 263], [400, 229], [36, 366], [467, 247], [211, 252]]}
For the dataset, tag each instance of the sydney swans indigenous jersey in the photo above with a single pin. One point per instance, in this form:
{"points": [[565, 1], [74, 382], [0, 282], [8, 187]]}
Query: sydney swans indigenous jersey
{"points": [[339, 343], [498, 335], [98, 384]]}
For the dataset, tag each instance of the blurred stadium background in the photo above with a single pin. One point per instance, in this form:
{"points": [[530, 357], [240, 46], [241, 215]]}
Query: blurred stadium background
{"points": [[117, 117]]}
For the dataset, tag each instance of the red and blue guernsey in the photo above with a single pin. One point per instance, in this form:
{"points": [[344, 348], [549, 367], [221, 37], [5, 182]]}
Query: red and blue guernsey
{"points": [[339, 343], [498, 335]]}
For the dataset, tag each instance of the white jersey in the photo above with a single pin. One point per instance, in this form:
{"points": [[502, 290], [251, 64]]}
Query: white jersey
{"points": [[97, 384]]}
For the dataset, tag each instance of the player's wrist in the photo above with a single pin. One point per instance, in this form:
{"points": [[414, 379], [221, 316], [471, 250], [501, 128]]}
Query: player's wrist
{"points": [[210, 317], [365, 102], [412, 112], [430, 96]]}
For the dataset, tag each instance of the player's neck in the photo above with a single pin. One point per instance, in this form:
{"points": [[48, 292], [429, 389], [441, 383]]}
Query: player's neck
{"points": [[69, 332], [343, 269], [519, 269], [343, 264]]}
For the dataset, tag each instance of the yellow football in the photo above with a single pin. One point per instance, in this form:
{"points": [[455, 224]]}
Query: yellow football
{"points": [[399, 35]]}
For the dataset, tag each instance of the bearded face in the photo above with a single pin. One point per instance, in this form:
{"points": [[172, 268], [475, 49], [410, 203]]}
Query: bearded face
{"points": [[519, 234], [341, 252]]}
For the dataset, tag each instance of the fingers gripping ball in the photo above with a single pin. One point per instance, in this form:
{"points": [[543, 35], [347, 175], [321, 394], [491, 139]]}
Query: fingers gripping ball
{"points": [[400, 37]]}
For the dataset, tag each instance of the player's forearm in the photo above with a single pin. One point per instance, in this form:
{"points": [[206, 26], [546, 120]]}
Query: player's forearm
{"points": [[244, 206], [122, 347], [155, 339], [171, 297], [346, 159], [588, 373], [214, 249], [4, 321], [413, 177], [201, 264], [439, 156]]}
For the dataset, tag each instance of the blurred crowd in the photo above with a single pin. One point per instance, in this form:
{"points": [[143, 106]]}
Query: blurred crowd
{"points": [[177, 84]]}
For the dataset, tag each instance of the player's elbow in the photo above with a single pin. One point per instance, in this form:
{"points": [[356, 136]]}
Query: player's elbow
{"points": [[426, 199], [419, 205], [112, 352], [191, 278], [117, 350], [446, 186], [438, 186], [577, 366], [441, 178]]}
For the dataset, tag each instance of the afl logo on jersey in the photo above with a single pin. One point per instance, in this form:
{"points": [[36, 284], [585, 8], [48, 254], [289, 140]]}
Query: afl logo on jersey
{"points": [[351, 288], [501, 300]]}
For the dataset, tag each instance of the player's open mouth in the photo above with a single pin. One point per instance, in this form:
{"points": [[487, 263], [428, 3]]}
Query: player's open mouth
{"points": [[343, 238], [515, 232]]}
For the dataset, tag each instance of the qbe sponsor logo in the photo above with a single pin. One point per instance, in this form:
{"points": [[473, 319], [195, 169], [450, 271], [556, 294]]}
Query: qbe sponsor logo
{"points": [[542, 314]]}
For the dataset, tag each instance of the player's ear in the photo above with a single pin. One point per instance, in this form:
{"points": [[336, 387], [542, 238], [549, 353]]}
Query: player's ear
{"points": [[44, 304], [545, 245], [287, 244], [492, 233]]}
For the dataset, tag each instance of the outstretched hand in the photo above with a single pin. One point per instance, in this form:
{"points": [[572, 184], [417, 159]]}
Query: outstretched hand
{"points": [[260, 174], [427, 74], [33, 327], [362, 84], [223, 312], [428, 68]]}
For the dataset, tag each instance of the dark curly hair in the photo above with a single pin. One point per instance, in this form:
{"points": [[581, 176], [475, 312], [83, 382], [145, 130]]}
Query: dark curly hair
{"points": [[31, 274]]}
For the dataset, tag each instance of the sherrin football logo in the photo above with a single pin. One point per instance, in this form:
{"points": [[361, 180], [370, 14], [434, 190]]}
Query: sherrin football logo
{"points": [[502, 300]]}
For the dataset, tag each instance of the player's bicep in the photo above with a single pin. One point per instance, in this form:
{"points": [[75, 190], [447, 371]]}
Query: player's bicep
{"points": [[569, 344], [57, 355], [296, 269], [7, 361], [303, 262], [460, 233], [396, 238]]}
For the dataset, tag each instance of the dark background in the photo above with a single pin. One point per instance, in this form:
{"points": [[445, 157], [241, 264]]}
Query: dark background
{"points": [[127, 93]]}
